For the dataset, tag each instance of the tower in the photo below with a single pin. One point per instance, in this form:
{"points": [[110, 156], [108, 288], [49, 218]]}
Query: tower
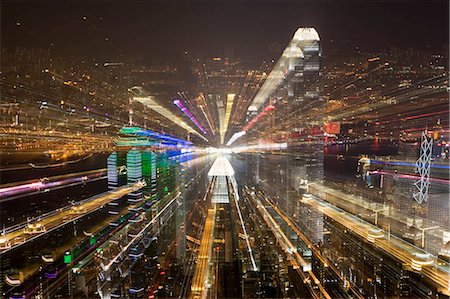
{"points": [[134, 173], [306, 65], [149, 173], [423, 168], [113, 176]]}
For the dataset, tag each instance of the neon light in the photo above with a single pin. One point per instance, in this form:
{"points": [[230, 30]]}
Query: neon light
{"points": [[51, 275], [407, 164], [409, 176], [425, 115], [149, 133], [162, 136], [238, 135], [258, 117], [67, 258], [192, 118], [152, 104]]}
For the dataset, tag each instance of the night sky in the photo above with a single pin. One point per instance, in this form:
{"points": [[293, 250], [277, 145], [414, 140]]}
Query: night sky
{"points": [[163, 30]]}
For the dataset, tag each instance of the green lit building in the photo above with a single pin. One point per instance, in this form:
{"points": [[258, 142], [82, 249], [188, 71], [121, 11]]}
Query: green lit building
{"points": [[149, 174]]}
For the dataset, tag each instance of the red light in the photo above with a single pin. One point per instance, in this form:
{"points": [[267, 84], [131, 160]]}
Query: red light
{"points": [[162, 272], [258, 117]]}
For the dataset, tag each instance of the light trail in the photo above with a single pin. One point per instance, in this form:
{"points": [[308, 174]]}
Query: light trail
{"points": [[353, 205], [37, 227], [228, 108], [249, 248], [425, 115], [324, 260], [141, 233], [117, 235], [151, 103], [40, 166], [374, 106], [21, 188], [54, 188], [180, 105], [291, 250], [118, 248], [409, 176], [263, 113], [389, 244], [409, 164], [199, 280], [207, 119], [201, 102], [185, 291]]}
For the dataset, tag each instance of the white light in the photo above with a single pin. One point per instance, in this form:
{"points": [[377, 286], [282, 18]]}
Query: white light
{"points": [[309, 34], [228, 107], [221, 167], [235, 137], [290, 57]]}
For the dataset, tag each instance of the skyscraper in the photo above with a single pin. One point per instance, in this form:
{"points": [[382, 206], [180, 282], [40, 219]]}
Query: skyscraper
{"points": [[149, 173], [305, 64], [134, 173], [113, 175]]}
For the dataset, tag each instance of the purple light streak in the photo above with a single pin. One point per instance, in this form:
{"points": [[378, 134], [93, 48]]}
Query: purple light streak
{"points": [[192, 118]]}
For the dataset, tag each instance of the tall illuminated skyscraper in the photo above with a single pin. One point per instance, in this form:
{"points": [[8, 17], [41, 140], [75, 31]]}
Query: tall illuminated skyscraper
{"points": [[149, 173], [305, 92], [134, 173], [113, 175], [307, 72], [161, 174]]}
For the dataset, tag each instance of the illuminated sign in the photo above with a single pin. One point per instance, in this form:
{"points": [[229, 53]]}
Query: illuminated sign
{"points": [[332, 128]]}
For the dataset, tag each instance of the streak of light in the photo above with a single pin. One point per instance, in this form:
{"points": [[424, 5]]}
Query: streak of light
{"points": [[391, 245], [25, 232], [410, 177], [401, 163], [25, 187], [426, 114], [324, 260], [141, 233], [263, 113], [296, 258], [199, 280], [249, 248], [228, 107], [235, 137], [201, 102], [152, 104], [180, 105]]}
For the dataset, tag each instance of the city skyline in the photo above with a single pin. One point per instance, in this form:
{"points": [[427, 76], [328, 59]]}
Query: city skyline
{"points": [[225, 149]]}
